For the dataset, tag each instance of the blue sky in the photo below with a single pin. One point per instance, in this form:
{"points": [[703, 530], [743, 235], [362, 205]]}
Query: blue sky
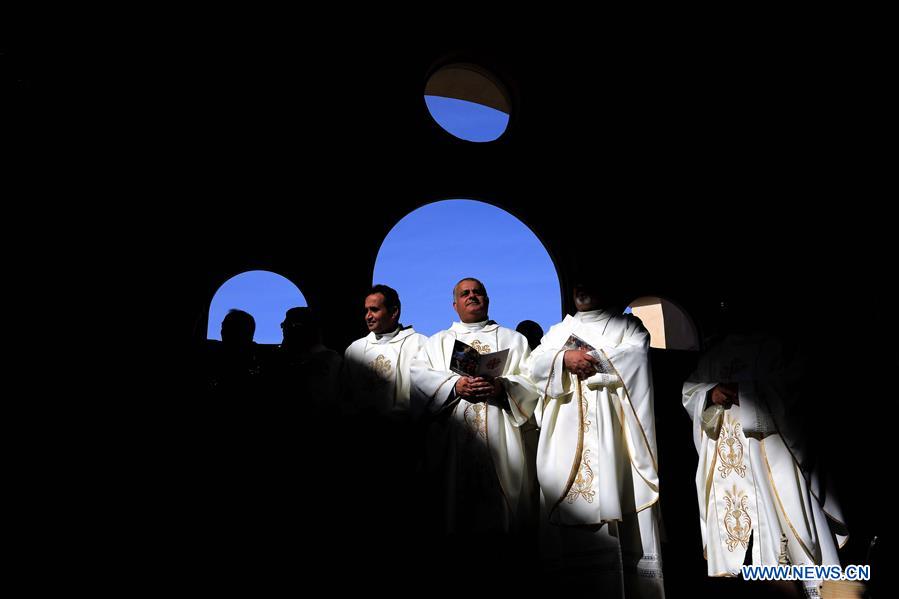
{"points": [[426, 253], [264, 294], [429, 250], [467, 120], [422, 259]]}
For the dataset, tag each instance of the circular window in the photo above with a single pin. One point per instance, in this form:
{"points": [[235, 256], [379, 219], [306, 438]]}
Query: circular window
{"points": [[468, 102]]}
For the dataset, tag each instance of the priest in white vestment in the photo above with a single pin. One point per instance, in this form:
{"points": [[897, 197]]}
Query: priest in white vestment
{"points": [[596, 455], [755, 479], [474, 445], [377, 367]]}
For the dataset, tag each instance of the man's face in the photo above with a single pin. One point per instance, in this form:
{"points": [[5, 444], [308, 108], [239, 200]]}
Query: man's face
{"points": [[471, 302], [377, 318], [586, 298]]}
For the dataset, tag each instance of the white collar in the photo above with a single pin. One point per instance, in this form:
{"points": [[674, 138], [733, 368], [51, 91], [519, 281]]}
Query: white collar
{"points": [[379, 339], [592, 316], [473, 327]]}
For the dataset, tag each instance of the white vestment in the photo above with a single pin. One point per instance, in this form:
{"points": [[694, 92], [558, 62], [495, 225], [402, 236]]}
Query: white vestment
{"points": [[478, 446], [749, 481], [596, 459], [377, 371]]}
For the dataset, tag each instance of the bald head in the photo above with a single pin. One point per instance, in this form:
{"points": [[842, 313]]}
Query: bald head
{"points": [[456, 287], [470, 300]]}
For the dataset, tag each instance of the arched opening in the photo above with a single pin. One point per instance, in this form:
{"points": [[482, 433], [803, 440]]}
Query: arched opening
{"points": [[431, 248], [264, 294], [669, 326], [468, 102]]}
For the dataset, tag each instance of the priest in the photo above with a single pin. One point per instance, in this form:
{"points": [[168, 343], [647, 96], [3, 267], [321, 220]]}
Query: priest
{"points": [[474, 448], [377, 367], [763, 496], [596, 454]]}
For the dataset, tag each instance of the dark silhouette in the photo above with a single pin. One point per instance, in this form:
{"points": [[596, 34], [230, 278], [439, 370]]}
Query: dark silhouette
{"points": [[532, 331], [301, 369], [232, 364]]}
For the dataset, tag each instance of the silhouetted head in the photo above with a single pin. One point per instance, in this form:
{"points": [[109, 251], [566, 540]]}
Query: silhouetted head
{"points": [[735, 314], [382, 309], [238, 328], [532, 331], [589, 295], [300, 328], [470, 300], [594, 289]]}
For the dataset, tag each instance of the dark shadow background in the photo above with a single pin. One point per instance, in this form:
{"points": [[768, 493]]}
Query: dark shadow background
{"points": [[707, 171]]}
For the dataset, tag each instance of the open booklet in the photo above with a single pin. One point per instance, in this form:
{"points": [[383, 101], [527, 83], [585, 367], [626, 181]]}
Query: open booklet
{"points": [[468, 362], [605, 372], [575, 342]]}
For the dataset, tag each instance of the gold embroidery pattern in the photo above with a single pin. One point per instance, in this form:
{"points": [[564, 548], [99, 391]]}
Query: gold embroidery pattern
{"points": [[482, 348], [585, 406], [737, 522], [730, 449], [381, 367], [476, 418], [583, 484]]}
